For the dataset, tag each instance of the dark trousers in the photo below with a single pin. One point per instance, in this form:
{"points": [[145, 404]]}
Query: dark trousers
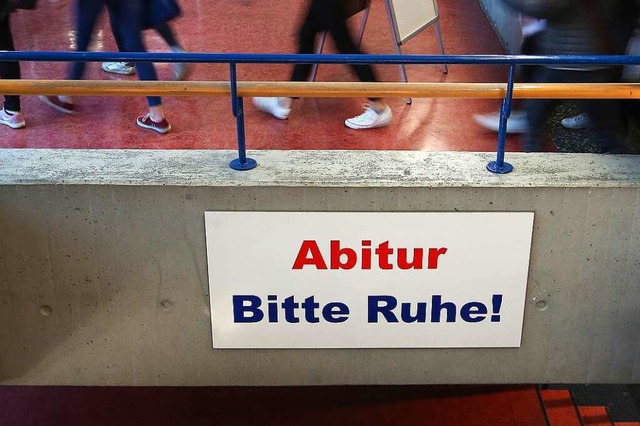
{"points": [[606, 115], [329, 16], [11, 69], [530, 46], [164, 30], [126, 17]]}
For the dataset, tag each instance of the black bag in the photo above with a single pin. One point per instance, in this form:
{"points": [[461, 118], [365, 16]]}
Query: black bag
{"points": [[23, 4], [160, 11]]}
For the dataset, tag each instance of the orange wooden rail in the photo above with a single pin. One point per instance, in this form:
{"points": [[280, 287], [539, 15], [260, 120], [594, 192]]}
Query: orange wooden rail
{"points": [[321, 89]]}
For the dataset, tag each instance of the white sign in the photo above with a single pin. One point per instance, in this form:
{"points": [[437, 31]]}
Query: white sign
{"points": [[411, 16], [367, 280]]}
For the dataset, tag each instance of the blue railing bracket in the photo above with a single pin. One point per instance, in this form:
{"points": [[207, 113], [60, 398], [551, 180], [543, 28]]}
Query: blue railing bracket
{"points": [[499, 166], [237, 107]]}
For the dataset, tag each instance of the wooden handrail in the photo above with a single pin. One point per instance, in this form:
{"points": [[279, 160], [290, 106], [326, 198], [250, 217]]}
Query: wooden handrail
{"points": [[320, 89]]}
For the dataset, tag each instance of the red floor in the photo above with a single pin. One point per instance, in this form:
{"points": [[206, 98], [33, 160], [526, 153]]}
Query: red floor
{"points": [[256, 26], [365, 405]]}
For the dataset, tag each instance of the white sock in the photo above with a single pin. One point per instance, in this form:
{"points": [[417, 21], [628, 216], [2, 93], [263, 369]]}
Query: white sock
{"points": [[378, 106], [285, 102], [66, 99]]}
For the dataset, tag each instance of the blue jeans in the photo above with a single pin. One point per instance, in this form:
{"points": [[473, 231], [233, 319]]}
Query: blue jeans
{"points": [[126, 17]]}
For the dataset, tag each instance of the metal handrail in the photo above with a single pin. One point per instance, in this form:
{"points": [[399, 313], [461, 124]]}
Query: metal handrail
{"points": [[285, 58], [321, 89], [238, 90]]}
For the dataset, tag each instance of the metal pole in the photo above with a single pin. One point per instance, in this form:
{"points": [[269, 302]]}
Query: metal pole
{"points": [[321, 40], [242, 162], [499, 166], [397, 42], [445, 68], [363, 24]]}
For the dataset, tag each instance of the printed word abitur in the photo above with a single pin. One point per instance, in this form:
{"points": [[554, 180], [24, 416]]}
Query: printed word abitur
{"points": [[383, 256]]}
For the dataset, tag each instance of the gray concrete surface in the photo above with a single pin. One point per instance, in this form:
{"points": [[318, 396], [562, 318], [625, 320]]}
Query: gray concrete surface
{"points": [[103, 276], [505, 23]]}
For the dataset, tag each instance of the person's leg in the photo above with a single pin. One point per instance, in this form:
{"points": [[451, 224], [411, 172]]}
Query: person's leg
{"points": [[87, 13], [337, 27], [538, 109], [127, 18], [122, 68], [314, 22], [114, 30], [377, 113], [10, 69], [517, 122], [180, 70], [606, 115], [9, 115], [530, 46], [311, 26], [127, 21], [166, 32]]}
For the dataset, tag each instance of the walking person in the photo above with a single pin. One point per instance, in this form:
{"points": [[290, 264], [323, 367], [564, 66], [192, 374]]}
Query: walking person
{"points": [[330, 16], [128, 18], [10, 114], [531, 29], [578, 27], [629, 73]]}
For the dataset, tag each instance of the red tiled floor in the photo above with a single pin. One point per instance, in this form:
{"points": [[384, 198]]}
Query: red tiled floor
{"points": [[560, 408], [594, 416], [309, 406], [254, 26]]}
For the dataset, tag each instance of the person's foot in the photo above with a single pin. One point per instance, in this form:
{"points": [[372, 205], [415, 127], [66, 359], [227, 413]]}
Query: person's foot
{"points": [[15, 120], [517, 122], [181, 70], [122, 68], [55, 102], [370, 118], [146, 122], [580, 121], [272, 106]]}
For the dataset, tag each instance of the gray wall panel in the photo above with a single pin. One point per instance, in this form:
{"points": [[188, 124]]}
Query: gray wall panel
{"points": [[121, 261]]}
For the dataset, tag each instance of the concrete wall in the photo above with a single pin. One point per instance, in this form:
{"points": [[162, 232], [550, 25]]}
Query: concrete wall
{"points": [[103, 276], [505, 22]]}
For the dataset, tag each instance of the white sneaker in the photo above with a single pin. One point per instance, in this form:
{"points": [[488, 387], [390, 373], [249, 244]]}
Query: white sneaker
{"points": [[517, 122], [273, 107], [370, 118], [580, 121], [122, 68], [15, 120], [181, 70]]}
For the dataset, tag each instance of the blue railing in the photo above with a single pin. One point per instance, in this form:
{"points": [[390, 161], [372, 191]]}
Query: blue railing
{"points": [[232, 59]]}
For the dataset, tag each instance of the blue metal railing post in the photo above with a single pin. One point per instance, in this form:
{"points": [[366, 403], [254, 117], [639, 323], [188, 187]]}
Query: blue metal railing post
{"points": [[237, 107], [499, 166]]}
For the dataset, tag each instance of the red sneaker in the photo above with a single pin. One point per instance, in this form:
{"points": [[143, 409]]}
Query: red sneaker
{"points": [[147, 123], [56, 103]]}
